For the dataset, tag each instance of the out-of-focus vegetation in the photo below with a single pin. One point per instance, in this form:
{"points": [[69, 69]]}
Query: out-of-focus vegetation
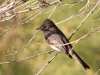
{"points": [[15, 39]]}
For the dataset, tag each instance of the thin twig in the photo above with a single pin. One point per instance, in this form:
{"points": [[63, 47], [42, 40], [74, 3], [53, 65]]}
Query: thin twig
{"points": [[97, 72], [53, 11], [24, 10], [84, 20], [49, 52], [65, 19], [87, 5], [85, 8], [96, 20], [47, 64], [15, 52], [76, 41], [97, 11], [24, 21], [76, 3]]}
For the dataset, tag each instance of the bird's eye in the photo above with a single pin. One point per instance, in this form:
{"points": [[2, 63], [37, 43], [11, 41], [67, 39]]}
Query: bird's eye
{"points": [[44, 26]]}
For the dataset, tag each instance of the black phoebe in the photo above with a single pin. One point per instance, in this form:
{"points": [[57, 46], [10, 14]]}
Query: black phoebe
{"points": [[55, 37]]}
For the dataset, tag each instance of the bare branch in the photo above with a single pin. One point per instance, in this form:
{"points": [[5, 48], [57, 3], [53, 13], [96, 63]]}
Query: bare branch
{"points": [[53, 11], [84, 20], [47, 64], [76, 3], [9, 6], [49, 52], [4, 11], [73, 4], [97, 72], [20, 50], [86, 6], [65, 19], [95, 20], [24, 21], [76, 41]]}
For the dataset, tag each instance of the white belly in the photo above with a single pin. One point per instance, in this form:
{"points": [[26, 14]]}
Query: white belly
{"points": [[53, 47]]}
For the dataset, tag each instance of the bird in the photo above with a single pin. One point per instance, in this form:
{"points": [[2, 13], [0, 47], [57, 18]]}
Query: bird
{"points": [[55, 38]]}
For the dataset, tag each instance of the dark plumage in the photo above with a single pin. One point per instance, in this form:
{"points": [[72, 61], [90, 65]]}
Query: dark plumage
{"points": [[54, 36]]}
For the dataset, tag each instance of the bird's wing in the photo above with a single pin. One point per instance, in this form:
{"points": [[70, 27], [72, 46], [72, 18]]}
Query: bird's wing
{"points": [[57, 42]]}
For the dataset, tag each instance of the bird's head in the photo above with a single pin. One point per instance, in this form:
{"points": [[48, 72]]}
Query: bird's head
{"points": [[46, 25]]}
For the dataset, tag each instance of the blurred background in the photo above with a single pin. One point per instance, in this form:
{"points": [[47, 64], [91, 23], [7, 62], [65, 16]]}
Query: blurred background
{"points": [[18, 37]]}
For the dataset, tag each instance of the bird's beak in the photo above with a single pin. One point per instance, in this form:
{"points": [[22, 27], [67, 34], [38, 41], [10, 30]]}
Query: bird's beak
{"points": [[37, 28]]}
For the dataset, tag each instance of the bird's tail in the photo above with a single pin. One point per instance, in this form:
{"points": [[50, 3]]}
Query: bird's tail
{"points": [[74, 54]]}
